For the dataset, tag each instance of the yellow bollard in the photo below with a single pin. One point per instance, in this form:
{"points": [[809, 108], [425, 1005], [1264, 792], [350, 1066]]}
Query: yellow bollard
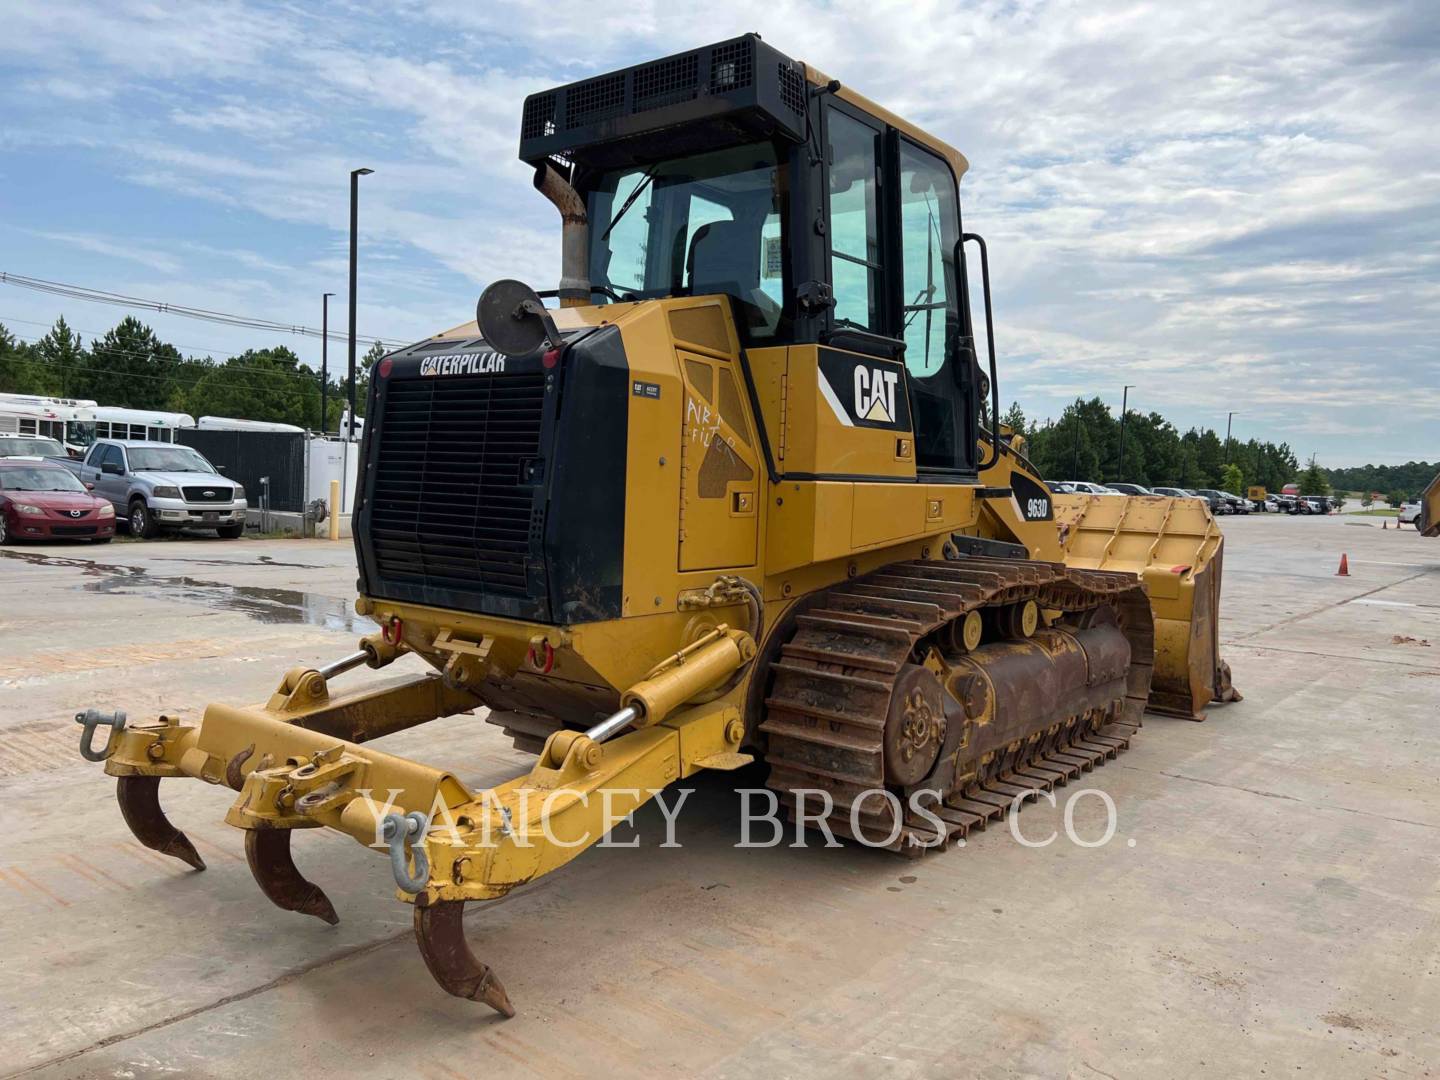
{"points": [[334, 509]]}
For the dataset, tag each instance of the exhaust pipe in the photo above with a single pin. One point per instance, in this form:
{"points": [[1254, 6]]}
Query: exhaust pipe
{"points": [[574, 235]]}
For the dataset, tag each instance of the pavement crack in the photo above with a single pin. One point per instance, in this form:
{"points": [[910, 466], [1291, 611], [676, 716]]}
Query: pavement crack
{"points": [[1278, 795], [1240, 644], [230, 999]]}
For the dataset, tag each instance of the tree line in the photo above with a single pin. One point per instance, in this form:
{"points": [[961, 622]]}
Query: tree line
{"points": [[1408, 480], [130, 367], [1084, 444]]}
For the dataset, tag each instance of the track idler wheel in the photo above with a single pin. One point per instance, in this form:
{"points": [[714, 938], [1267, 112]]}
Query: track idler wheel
{"points": [[915, 726], [268, 853], [139, 798], [440, 933]]}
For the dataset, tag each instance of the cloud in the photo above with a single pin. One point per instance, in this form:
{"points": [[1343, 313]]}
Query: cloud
{"points": [[1218, 202]]}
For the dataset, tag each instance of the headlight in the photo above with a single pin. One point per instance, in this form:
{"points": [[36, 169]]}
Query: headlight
{"points": [[106, 510], [26, 508], [239, 492], [167, 493]]}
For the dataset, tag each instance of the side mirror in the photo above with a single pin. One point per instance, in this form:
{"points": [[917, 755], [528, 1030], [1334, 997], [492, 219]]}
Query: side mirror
{"points": [[219, 468], [111, 469], [89, 486]]}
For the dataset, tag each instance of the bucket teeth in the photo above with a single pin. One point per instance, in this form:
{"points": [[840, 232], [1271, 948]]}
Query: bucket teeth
{"points": [[268, 853], [139, 798], [440, 933]]}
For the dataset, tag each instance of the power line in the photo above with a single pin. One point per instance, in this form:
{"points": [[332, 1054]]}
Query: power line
{"points": [[6, 320], [101, 296], [209, 369], [108, 350]]}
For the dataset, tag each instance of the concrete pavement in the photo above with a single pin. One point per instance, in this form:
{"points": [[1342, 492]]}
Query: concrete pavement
{"points": [[1276, 914]]}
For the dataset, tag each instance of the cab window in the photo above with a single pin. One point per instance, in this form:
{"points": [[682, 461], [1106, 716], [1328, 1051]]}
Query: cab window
{"points": [[694, 225], [855, 246], [930, 312]]}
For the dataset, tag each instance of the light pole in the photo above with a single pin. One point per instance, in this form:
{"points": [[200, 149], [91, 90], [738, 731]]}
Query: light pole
{"points": [[355, 175], [349, 433], [1124, 408], [1228, 418], [324, 356], [1075, 451]]}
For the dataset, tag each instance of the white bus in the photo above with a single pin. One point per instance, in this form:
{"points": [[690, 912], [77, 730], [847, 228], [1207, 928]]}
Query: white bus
{"points": [[69, 421], [230, 423], [115, 423]]}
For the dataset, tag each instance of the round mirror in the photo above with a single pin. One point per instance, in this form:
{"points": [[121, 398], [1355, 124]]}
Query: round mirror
{"points": [[510, 317]]}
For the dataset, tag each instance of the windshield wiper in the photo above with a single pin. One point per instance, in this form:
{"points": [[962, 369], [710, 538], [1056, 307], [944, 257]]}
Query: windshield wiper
{"points": [[630, 200]]}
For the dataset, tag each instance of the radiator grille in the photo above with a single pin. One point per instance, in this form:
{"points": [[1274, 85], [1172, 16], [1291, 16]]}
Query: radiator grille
{"points": [[216, 494], [449, 509]]}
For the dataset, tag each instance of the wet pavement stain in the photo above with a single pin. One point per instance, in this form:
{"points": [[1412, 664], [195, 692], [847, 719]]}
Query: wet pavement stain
{"points": [[271, 606]]}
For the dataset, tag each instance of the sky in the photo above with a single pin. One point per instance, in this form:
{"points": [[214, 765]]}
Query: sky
{"points": [[1233, 206]]}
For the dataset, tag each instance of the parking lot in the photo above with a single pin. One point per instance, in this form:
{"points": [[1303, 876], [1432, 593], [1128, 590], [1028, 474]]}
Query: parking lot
{"points": [[1268, 905]]}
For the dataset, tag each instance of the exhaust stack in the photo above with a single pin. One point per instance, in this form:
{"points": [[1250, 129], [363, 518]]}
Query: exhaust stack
{"points": [[574, 235]]}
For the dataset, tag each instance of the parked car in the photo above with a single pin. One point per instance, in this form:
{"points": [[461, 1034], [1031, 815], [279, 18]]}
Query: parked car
{"points": [[1410, 514], [1272, 504], [1130, 489], [159, 485], [33, 446], [1219, 504], [1312, 504], [40, 500], [1237, 504], [1082, 487], [1174, 492]]}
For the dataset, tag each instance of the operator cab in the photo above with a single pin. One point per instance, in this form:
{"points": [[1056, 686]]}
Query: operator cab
{"points": [[735, 170]]}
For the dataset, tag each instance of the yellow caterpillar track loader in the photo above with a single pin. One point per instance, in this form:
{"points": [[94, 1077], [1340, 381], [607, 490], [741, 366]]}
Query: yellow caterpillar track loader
{"points": [[729, 500]]}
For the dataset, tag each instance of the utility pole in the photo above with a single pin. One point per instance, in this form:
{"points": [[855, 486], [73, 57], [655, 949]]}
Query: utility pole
{"points": [[1124, 408], [324, 358], [1227, 437]]}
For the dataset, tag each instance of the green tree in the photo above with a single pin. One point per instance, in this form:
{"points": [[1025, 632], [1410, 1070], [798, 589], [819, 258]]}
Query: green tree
{"points": [[1312, 480], [1395, 498], [258, 384], [1367, 499], [1015, 418], [362, 379], [63, 353], [1232, 479], [130, 367], [21, 371]]}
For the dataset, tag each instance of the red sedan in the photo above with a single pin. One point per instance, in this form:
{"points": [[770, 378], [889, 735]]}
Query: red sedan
{"points": [[40, 500]]}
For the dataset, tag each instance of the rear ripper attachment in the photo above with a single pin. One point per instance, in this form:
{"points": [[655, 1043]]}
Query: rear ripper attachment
{"points": [[299, 761], [955, 687]]}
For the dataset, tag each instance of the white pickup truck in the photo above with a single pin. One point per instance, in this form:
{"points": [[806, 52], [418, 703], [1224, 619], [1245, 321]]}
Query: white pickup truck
{"points": [[159, 485]]}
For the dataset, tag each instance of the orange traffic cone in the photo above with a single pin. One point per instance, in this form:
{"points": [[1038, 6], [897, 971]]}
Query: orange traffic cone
{"points": [[1344, 570]]}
